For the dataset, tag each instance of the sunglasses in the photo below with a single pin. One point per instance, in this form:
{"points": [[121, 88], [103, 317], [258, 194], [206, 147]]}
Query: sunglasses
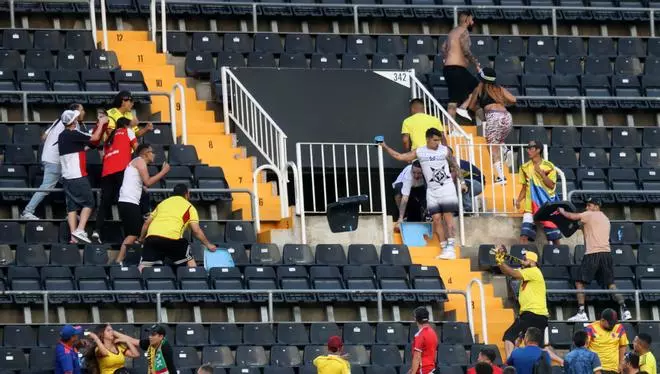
{"points": [[127, 99]]}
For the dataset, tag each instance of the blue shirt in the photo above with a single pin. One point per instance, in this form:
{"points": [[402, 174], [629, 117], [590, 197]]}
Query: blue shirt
{"points": [[523, 359], [66, 359], [581, 361]]}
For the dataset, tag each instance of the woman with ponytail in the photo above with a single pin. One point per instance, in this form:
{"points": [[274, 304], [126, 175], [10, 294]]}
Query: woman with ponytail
{"points": [[109, 350]]}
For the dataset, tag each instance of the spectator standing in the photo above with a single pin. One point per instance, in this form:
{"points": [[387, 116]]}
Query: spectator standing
{"points": [[581, 360], [425, 344], [136, 177], [413, 129], [493, 99], [437, 161], [457, 58], [122, 106], [642, 345], [410, 193], [333, 362], [597, 262], [50, 158], [66, 351], [531, 296], [72, 145], [160, 355], [607, 338], [162, 233], [524, 359], [630, 363], [486, 356], [109, 350], [538, 178], [116, 156]]}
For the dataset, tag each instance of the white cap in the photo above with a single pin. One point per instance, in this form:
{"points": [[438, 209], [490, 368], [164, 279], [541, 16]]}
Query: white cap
{"points": [[69, 116]]}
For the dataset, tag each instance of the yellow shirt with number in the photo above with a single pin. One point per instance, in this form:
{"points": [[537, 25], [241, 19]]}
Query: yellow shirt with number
{"points": [[114, 114], [528, 176], [416, 125], [531, 294], [647, 363], [606, 344], [171, 218]]}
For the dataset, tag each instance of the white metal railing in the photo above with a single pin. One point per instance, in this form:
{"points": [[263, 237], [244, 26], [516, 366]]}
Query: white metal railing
{"points": [[483, 160], [257, 8], [281, 183], [346, 169], [241, 108]]}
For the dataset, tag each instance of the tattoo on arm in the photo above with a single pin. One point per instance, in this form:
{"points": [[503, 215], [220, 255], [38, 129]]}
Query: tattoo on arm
{"points": [[465, 46], [453, 166]]}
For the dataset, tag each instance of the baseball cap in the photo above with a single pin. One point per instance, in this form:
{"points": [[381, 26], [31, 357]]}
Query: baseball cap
{"points": [[69, 116], [334, 343], [535, 143], [68, 331], [488, 75], [421, 314], [610, 316], [594, 200], [531, 256], [157, 329]]}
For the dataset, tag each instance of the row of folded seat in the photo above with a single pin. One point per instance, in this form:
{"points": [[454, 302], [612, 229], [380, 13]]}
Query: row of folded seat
{"points": [[47, 40], [128, 279], [561, 255], [64, 59], [588, 136], [617, 157], [232, 335], [21, 134], [76, 81], [180, 43], [38, 233]]}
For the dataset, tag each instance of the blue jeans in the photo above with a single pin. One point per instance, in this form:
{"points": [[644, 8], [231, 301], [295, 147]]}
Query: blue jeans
{"points": [[472, 185], [52, 174]]}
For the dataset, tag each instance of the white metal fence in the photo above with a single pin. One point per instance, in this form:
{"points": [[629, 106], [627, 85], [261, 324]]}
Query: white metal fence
{"points": [[340, 170]]}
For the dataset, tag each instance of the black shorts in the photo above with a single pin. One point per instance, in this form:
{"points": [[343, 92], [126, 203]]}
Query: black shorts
{"points": [[460, 83], [78, 194], [131, 218], [156, 250], [524, 321], [598, 266]]}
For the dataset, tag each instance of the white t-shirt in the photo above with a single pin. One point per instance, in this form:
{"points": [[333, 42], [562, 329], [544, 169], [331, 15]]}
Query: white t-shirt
{"points": [[407, 181], [50, 152], [435, 167]]}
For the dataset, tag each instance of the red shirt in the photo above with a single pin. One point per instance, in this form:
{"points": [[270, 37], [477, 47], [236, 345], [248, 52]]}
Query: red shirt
{"points": [[496, 370], [426, 342], [117, 155]]}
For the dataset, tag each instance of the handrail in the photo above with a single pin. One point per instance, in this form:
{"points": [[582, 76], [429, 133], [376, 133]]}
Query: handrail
{"points": [[92, 16], [284, 204], [184, 120], [611, 192], [170, 95], [482, 297], [296, 183], [241, 108]]}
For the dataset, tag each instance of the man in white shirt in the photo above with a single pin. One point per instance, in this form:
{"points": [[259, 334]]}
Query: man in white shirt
{"points": [[50, 159], [409, 193]]}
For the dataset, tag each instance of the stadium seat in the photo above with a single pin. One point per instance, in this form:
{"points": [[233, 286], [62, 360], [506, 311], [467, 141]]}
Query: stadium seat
{"points": [[560, 334], [483, 45], [623, 233], [188, 334], [248, 355], [159, 278], [352, 61], [565, 136], [218, 357], [510, 46], [456, 333], [385, 355], [39, 60], [385, 62], [357, 355], [427, 278], [240, 232], [329, 43], [41, 233], [194, 279], [16, 39], [71, 59], [292, 334], [199, 64], [571, 46], [13, 359], [649, 158], [127, 278], [602, 47], [100, 59], [298, 43], [268, 43], [324, 61], [65, 255], [395, 254], [358, 333], [330, 254], [225, 334], [327, 278], [393, 278], [541, 46], [238, 43], [295, 278], [556, 255], [390, 44], [293, 60], [648, 254], [24, 278], [95, 255], [319, 332], [626, 137], [452, 354], [360, 278], [284, 357], [59, 278], [593, 158], [19, 336], [93, 278], [206, 42], [48, 40], [31, 255], [19, 155], [261, 278]]}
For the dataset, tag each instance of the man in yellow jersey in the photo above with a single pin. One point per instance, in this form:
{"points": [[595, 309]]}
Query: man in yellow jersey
{"points": [[642, 346], [531, 296], [538, 178], [162, 233], [608, 340], [122, 105], [413, 129], [333, 362]]}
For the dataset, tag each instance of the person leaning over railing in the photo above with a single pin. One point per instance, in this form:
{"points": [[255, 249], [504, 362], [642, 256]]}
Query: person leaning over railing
{"points": [[50, 158], [410, 194]]}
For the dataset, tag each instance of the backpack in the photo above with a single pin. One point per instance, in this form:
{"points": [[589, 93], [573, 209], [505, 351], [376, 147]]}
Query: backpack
{"points": [[542, 364]]}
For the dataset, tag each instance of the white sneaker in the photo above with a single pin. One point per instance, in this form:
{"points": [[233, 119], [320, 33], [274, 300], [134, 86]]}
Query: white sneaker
{"points": [[81, 235], [447, 255], [626, 315], [96, 237], [579, 317], [499, 180], [29, 216]]}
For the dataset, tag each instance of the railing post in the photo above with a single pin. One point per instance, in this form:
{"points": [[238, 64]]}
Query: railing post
{"points": [[301, 193], [638, 313], [12, 14], [225, 98], [296, 182], [271, 318], [104, 25], [163, 26], [356, 21], [459, 191], [92, 19], [255, 25], [184, 113], [379, 303], [383, 200], [152, 14], [554, 21], [172, 102], [455, 16], [583, 111], [159, 307], [25, 107], [46, 311]]}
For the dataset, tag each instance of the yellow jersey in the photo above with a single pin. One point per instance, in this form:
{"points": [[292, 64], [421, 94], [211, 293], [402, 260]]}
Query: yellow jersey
{"points": [[416, 125], [606, 344], [332, 364], [171, 218], [537, 192], [647, 363], [108, 364], [114, 114], [531, 294]]}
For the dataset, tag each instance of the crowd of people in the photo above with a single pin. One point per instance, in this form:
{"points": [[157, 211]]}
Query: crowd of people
{"points": [[124, 181]]}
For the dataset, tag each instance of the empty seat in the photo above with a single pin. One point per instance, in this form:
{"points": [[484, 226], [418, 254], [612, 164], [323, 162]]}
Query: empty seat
{"points": [[386, 355], [268, 43], [627, 65], [283, 355], [41, 233], [79, 40], [508, 65], [93, 278], [206, 42], [238, 42], [427, 278], [12, 359], [623, 158], [297, 254], [597, 65], [483, 45], [622, 255], [330, 254], [360, 44], [456, 333], [261, 278], [19, 336], [199, 64], [329, 43], [556, 255], [623, 233], [31, 255], [352, 61], [357, 355], [385, 62], [328, 278], [452, 354], [127, 278], [295, 278], [59, 278], [560, 334], [541, 46], [225, 334], [648, 254], [65, 255], [511, 46], [362, 254], [24, 278], [390, 44], [39, 59], [538, 65], [394, 278], [95, 254], [71, 60], [194, 279], [359, 277], [395, 254], [571, 46], [650, 232], [100, 59], [66, 80], [16, 39], [324, 61], [626, 137], [188, 334], [292, 334], [298, 43], [602, 47], [421, 45], [593, 158], [10, 60], [218, 357], [649, 158], [161, 278]]}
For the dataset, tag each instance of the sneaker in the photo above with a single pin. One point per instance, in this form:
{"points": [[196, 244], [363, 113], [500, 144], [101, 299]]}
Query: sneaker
{"points": [[96, 237], [81, 235], [507, 156], [447, 255], [29, 216], [499, 180], [579, 317], [626, 315]]}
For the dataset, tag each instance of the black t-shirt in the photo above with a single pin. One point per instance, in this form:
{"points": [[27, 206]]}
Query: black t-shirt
{"points": [[168, 354]]}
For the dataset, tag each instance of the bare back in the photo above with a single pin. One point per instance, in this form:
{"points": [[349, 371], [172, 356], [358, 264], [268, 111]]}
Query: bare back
{"points": [[455, 46]]}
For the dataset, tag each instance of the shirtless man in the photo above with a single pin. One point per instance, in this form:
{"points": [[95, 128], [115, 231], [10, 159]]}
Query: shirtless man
{"points": [[456, 51]]}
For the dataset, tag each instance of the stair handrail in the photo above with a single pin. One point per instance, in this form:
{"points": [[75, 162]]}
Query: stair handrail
{"points": [[182, 106], [470, 313], [241, 108], [284, 201]]}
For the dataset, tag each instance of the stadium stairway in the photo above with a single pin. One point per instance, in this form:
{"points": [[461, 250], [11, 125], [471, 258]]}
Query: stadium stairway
{"points": [[213, 145]]}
